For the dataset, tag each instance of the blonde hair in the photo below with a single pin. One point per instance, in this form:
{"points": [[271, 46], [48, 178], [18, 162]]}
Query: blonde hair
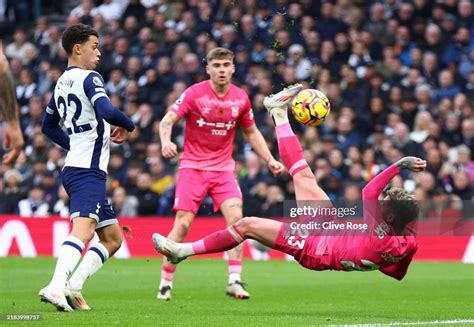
{"points": [[219, 53]]}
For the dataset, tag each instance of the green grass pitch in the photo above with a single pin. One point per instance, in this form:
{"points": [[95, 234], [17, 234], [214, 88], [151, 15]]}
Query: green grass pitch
{"points": [[282, 294]]}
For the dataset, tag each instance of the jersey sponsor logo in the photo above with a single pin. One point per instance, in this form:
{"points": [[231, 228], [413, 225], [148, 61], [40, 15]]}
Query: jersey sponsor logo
{"points": [[229, 125], [235, 112], [181, 98], [219, 132], [96, 80]]}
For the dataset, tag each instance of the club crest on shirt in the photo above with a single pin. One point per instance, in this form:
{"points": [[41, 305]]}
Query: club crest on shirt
{"points": [[220, 112], [96, 80], [235, 112]]}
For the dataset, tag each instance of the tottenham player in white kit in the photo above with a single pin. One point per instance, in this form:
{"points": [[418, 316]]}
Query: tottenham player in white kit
{"points": [[79, 99]]}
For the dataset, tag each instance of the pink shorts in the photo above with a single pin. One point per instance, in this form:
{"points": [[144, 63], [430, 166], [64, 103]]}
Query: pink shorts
{"points": [[301, 247], [193, 185]]}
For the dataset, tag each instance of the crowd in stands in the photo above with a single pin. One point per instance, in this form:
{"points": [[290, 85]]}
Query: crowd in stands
{"points": [[399, 75]]}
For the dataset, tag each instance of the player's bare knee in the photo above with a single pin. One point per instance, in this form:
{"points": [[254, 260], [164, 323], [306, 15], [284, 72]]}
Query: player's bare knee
{"points": [[246, 225], [116, 242], [182, 227], [234, 219], [85, 235]]}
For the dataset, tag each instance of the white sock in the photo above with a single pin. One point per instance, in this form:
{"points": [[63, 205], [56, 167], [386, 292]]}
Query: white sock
{"points": [[234, 277], [92, 262], [165, 282], [280, 116], [69, 255], [185, 250]]}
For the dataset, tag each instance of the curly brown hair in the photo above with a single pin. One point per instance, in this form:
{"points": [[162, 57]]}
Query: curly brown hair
{"points": [[403, 206]]}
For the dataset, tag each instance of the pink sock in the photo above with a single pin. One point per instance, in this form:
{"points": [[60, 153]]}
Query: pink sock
{"points": [[283, 130], [235, 266], [167, 272], [290, 149], [219, 241]]}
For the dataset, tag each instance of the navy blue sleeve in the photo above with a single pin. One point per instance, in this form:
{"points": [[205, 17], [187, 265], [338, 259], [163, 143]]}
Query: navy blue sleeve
{"points": [[94, 89], [50, 126], [113, 116]]}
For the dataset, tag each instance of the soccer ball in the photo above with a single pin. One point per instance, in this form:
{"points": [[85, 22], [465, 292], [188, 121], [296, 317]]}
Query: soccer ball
{"points": [[310, 107]]}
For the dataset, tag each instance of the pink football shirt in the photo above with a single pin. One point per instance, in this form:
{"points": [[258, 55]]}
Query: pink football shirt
{"points": [[210, 125], [380, 249]]}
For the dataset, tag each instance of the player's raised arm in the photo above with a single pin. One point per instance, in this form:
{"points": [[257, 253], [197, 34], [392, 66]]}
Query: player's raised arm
{"points": [[373, 189], [259, 144], [50, 126], [12, 134], [168, 148]]}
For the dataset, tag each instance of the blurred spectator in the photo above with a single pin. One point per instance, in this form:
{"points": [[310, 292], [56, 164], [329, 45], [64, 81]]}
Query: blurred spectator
{"points": [[253, 173], [14, 191], [296, 59], [462, 186], [25, 89], [35, 205], [161, 179], [257, 196], [147, 199], [400, 82], [110, 9], [61, 207], [273, 205], [352, 199], [123, 204], [421, 130], [345, 134], [447, 88], [21, 48]]}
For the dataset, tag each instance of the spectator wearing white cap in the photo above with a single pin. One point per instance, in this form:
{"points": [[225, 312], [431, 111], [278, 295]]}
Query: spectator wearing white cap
{"points": [[297, 59]]}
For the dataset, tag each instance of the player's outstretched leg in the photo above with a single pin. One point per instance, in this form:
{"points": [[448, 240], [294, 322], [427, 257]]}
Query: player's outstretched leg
{"points": [[289, 146], [263, 230]]}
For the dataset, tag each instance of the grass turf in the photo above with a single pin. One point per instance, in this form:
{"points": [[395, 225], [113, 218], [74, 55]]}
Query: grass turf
{"points": [[282, 294]]}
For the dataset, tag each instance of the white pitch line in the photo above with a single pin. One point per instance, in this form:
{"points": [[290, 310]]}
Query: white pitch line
{"points": [[415, 323]]}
